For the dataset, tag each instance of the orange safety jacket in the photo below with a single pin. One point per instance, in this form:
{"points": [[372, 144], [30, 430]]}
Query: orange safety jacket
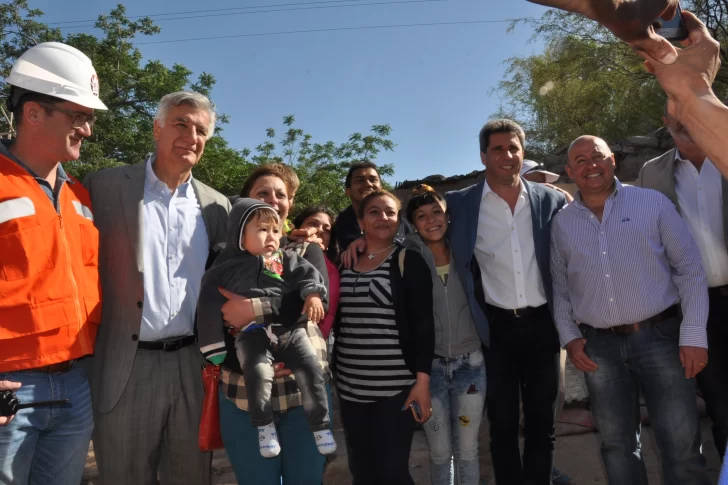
{"points": [[50, 295]]}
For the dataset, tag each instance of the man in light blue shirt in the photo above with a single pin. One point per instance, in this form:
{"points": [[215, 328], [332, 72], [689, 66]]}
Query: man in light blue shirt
{"points": [[175, 251], [158, 227], [625, 266]]}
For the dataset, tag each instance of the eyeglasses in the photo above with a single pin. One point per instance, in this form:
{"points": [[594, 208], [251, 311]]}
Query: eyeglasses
{"points": [[77, 119]]}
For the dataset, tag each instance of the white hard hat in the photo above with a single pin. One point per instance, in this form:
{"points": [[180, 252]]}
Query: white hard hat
{"points": [[529, 166], [60, 71]]}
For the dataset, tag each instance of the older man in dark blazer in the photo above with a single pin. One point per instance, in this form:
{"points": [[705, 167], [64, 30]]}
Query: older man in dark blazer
{"points": [[499, 231], [158, 227], [691, 181]]}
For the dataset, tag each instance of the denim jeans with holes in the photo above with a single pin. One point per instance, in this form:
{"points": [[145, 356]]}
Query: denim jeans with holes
{"points": [[457, 387]]}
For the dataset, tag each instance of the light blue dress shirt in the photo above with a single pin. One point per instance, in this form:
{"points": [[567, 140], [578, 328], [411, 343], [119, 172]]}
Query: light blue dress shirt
{"points": [[175, 252], [638, 261]]}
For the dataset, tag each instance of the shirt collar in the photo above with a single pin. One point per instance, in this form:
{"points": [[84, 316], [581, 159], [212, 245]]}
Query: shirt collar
{"points": [[487, 189], [679, 158], [578, 202], [60, 172], [152, 182]]}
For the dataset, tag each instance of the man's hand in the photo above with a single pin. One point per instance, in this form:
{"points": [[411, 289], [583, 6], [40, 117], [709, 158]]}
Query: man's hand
{"points": [[569, 198], [8, 386], [237, 311], [630, 20], [350, 257], [313, 308], [693, 359], [578, 357], [308, 235], [696, 67]]}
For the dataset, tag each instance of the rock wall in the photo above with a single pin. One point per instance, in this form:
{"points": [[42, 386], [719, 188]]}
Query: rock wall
{"points": [[630, 153]]}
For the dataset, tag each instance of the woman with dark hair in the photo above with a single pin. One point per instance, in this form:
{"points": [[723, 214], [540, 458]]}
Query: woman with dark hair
{"points": [[299, 461], [384, 348], [457, 382], [321, 219]]}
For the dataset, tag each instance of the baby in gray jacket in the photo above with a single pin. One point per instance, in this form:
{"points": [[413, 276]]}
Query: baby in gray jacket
{"points": [[253, 265]]}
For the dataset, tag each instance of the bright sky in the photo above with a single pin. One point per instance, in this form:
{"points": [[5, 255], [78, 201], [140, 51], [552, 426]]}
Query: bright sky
{"points": [[432, 84]]}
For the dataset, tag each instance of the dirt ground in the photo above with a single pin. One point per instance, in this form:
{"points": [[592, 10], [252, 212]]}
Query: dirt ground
{"points": [[577, 454]]}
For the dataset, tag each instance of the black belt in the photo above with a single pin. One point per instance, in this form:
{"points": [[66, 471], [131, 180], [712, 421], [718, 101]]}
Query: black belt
{"points": [[58, 368], [515, 313], [673, 311], [167, 345], [718, 291]]}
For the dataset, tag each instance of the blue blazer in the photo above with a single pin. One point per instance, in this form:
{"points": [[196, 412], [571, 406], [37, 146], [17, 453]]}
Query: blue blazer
{"points": [[463, 207]]}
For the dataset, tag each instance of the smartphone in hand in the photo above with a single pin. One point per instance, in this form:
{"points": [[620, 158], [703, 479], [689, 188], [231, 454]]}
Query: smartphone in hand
{"points": [[672, 30], [416, 411]]}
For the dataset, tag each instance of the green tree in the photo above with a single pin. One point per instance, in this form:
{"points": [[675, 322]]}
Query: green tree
{"points": [[715, 15], [132, 89], [322, 167], [585, 81]]}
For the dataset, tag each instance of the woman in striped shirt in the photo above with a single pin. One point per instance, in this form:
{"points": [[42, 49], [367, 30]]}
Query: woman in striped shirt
{"points": [[384, 348]]}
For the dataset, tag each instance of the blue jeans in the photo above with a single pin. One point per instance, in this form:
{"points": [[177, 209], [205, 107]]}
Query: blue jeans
{"points": [[299, 462], [47, 445], [649, 360], [457, 387]]}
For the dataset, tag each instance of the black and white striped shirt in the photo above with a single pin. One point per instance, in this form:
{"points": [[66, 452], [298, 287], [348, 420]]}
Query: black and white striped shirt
{"points": [[369, 361]]}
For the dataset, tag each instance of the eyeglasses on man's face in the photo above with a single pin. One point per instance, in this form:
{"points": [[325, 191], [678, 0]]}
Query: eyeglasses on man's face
{"points": [[78, 119]]}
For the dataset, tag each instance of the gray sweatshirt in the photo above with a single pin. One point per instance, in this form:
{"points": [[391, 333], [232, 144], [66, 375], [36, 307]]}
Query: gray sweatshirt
{"points": [[264, 280], [455, 332]]}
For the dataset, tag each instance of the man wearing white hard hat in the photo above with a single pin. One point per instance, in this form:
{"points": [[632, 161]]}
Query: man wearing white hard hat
{"points": [[49, 283]]}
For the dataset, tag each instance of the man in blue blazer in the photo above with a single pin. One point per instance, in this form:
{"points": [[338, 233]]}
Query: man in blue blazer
{"points": [[499, 232]]}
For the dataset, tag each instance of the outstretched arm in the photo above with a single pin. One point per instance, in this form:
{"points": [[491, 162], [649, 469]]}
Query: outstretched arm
{"points": [[688, 83], [630, 20]]}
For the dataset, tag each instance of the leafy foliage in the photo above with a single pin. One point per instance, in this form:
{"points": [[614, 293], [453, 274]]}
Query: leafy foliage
{"points": [[586, 82], [132, 89], [322, 167]]}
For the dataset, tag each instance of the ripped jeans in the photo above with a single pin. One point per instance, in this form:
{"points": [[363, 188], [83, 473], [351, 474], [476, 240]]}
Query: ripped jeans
{"points": [[457, 387]]}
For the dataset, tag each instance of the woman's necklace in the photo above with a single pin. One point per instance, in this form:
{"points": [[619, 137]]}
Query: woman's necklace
{"points": [[372, 254]]}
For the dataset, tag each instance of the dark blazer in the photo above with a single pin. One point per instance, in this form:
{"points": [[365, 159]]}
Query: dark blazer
{"points": [[463, 207], [659, 174]]}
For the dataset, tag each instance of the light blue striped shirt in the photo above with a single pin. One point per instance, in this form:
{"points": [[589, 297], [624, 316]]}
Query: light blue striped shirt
{"points": [[637, 262], [175, 252], [723, 480]]}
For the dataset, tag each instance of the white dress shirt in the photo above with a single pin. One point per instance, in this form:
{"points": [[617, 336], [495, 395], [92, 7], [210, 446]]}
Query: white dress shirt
{"points": [[700, 196], [175, 252], [504, 249]]}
